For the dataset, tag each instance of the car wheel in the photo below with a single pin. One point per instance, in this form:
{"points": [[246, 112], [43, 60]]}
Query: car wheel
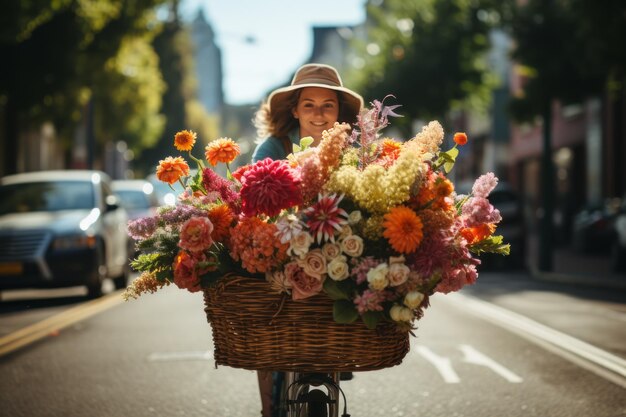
{"points": [[122, 280], [96, 278]]}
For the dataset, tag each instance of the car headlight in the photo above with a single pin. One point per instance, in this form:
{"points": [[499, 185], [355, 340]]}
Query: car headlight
{"points": [[74, 242]]}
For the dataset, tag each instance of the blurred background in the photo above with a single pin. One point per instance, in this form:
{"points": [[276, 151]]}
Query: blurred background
{"points": [[538, 85]]}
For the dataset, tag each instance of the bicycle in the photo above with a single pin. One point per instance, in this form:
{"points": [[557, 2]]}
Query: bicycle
{"points": [[300, 394]]}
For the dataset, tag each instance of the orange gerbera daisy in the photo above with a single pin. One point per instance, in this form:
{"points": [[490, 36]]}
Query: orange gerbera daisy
{"points": [[403, 229], [171, 169], [460, 138], [184, 140], [222, 218], [222, 150]]}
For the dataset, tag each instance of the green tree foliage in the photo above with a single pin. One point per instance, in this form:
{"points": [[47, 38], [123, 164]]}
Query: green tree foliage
{"points": [[427, 53], [57, 53]]}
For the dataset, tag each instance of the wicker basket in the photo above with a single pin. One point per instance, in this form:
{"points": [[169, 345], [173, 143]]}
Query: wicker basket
{"points": [[254, 328]]}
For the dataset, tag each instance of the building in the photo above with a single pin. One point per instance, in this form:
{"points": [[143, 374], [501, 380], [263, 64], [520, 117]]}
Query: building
{"points": [[208, 61]]}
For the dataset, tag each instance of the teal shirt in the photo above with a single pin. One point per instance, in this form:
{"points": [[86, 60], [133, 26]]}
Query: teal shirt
{"points": [[272, 147]]}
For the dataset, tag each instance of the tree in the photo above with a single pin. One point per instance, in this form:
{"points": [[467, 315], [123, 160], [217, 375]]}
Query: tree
{"points": [[427, 54], [57, 52], [570, 49]]}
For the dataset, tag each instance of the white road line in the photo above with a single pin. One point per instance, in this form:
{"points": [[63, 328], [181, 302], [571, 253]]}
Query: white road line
{"points": [[442, 364], [605, 364], [473, 356]]}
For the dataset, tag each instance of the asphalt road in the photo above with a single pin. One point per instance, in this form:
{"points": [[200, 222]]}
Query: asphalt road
{"points": [[152, 357]]}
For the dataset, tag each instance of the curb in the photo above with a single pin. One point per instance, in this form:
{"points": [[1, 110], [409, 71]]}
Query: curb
{"points": [[616, 282]]}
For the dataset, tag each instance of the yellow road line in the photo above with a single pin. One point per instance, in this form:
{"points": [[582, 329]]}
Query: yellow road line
{"points": [[41, 329]]}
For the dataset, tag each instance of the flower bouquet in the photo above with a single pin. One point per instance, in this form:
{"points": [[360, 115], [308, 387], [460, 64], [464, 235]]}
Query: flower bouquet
{"points": [[355, 234]]}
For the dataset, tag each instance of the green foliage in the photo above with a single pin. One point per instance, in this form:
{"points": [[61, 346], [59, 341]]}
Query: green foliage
{"points": [[429, 54], [345, 312], [339, 290], [493, 244]]}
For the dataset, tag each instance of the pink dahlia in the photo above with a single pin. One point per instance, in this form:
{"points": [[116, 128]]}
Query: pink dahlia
{"points": [[269, 186], [325, 216], [195, 235]]}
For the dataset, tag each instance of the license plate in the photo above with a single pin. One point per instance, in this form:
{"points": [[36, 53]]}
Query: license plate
{"points": [[11, 268]]}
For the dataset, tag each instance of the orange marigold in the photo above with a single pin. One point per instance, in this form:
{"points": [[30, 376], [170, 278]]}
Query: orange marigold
{"points": [[222, 218], [403, 229], [460, 138], [254, 242], [390, 148], [184, 140], [221, 150], [171, 169]]}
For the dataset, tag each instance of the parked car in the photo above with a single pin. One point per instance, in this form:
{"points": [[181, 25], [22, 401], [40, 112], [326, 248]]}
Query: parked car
{"points": [[61, 228], [593, 227], [618, 240], [138, 197]]}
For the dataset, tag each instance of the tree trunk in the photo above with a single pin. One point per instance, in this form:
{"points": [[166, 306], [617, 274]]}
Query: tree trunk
{"points": [[546, 237]]}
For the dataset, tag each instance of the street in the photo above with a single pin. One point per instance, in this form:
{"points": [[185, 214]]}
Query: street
{"points": [[152, 357]]}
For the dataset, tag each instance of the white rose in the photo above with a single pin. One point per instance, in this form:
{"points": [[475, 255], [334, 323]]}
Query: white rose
{"points": [[354, 217], [331, 250], [352, 246], [345, 231], [399, 313], [377, 277], [313, 263], [398, 274], [299, 244], [413, 299], [338, 268]]}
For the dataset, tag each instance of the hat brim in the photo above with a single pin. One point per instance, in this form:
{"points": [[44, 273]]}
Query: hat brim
{"points": [[353, 100]]}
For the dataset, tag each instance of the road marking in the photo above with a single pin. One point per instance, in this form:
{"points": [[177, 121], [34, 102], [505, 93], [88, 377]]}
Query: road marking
{"points": [[204, 355], [602, 363], [41, 329], [442, 364], [473, 356]]}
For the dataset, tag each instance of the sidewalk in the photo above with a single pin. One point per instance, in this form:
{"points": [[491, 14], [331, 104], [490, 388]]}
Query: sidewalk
{"points": [[574, 267]]}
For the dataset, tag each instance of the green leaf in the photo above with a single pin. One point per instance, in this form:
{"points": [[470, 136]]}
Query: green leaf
{"points": [[296, 148], [344, 312], [164, 275], [305, 142], [336, 290], [371, 318]]}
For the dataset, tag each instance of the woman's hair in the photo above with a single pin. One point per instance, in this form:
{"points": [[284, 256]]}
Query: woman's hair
{"points": [[279, 121]]}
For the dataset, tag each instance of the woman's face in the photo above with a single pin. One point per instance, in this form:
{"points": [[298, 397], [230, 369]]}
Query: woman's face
{"points": [[317, 110]]}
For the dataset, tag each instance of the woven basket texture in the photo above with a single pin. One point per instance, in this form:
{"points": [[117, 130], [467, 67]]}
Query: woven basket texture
{"points": [[258, 329]]}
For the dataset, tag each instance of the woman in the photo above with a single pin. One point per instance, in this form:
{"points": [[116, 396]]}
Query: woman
{"points": [[314, 102]]}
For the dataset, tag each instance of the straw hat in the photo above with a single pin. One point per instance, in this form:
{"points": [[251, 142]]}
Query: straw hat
{"points": [[318, 75]]}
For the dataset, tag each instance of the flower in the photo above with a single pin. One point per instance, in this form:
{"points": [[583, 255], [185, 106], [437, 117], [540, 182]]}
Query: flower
{"points": [[223, 150], [460, 138], [184, 140], [338, 268], [195, 235], [378, 218], [222, 218], [302, 285], [403, 229], [268, 187], [325, 217], [171, 169]]}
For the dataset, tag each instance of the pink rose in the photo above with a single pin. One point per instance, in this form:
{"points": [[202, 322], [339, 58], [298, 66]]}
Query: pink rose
{"points": [[302, 285], [313, 263], [352, 246], [331, 251], [185, 276], [195, 235]]}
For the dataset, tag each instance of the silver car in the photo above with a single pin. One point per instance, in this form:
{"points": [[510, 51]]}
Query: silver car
{"points": [[61, 228]]}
